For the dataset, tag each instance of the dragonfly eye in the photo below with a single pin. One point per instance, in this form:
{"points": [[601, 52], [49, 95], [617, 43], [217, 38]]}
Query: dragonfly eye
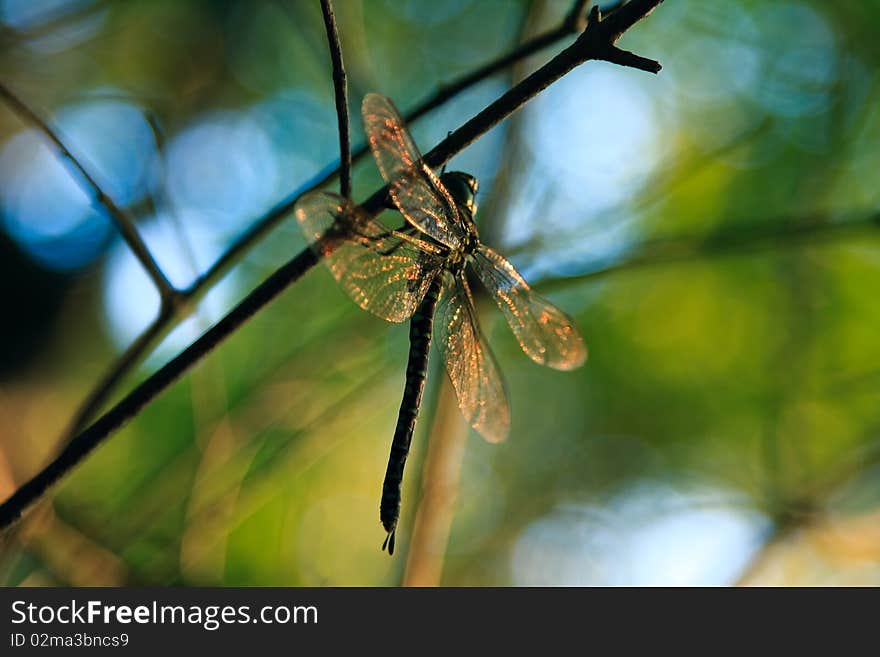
{"points": [[462, 186]]}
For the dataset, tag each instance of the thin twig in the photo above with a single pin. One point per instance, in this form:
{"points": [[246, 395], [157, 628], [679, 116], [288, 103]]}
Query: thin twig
{"points": [[114, 375], [126, 361], [124, 222], [160, 200], [589, 45], [340, 87], [573, 23], [188, 299]]}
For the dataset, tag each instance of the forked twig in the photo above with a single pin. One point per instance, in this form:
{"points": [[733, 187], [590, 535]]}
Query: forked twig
{"points": [[596, 42], [124, 222]]}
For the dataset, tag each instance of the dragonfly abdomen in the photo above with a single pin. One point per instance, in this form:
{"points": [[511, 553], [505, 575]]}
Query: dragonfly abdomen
{"points": [[420, 328]]}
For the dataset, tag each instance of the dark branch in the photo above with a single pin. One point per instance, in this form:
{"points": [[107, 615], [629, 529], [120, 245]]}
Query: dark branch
{"points": [[587, 46], [595, 42], [123, 221], [340, 87], [50, 21], [574, 23], [624, 16], [121, 366]]}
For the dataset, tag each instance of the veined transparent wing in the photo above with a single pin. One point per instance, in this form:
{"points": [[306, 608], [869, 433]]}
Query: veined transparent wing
{"points": [[383, 271], [545, 333], [469, 362], [416, 190]]}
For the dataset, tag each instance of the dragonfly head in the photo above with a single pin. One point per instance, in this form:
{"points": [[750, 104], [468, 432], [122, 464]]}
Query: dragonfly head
{"points": [[463, 189]]}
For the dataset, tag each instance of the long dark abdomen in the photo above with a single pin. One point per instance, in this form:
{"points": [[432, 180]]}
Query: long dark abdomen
{"points": [[420, 326]]}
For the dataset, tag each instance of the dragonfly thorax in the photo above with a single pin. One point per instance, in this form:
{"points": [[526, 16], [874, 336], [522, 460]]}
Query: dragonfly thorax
{"points": [[455, 261]]}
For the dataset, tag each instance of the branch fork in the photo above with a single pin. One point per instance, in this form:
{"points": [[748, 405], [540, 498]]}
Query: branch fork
{"points": [[599, 38]]}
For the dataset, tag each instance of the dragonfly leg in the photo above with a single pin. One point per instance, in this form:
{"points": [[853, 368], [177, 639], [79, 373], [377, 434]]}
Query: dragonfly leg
{"points": [[390, 249], [406, 229]]}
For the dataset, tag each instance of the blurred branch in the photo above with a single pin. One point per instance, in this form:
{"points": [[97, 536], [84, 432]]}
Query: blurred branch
{"points": [[655, 189], [49, 21], [771, 234], [300, 453], [73, 558], [447, 432], [247, 420], [340, 88], [596, 42], [802, 511], [439, 493], [159, 327], [124, 222], [160, 201]]}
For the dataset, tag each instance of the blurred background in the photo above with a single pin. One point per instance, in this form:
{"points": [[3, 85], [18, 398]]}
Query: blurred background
{"points": [[713, 229]]}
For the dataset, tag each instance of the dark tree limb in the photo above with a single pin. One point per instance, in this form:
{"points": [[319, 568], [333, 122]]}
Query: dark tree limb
{"points": [[340, 87], [594, 43], [121, 366], [573, 23], [124, 222]]}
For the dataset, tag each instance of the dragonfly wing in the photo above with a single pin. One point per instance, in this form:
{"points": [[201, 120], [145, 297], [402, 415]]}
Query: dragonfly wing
{"points": [[469, 362], [382, 271], [545, 333], [416, 190]]}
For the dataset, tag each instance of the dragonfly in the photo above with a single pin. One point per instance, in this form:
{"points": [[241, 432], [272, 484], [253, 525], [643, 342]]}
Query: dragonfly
{"points": [[418, 272]]}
